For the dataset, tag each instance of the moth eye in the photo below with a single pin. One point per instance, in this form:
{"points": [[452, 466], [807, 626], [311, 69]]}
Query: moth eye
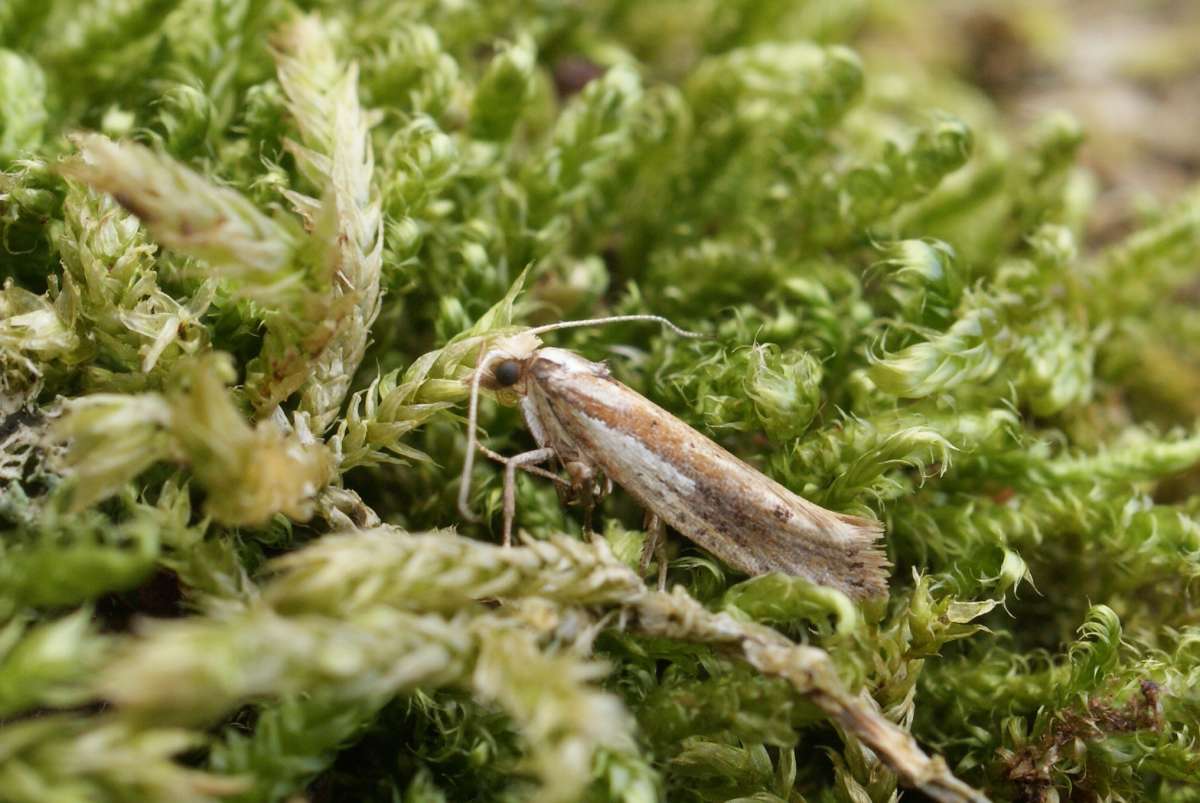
{"points": [[507, 373]]}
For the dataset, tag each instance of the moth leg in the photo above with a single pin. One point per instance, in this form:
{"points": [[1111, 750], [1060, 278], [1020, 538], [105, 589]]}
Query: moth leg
{"points": [[525, 460], [529, 467], [587, 520], [597, 489], [582, 476], [655, 544], [583, 484], [661, 553]]}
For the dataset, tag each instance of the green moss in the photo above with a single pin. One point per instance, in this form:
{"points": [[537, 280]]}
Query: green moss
{"points": [[249, 259]]}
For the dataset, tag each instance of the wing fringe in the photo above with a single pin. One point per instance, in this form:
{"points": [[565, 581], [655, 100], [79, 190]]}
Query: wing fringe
{"points": [[867, 566]]}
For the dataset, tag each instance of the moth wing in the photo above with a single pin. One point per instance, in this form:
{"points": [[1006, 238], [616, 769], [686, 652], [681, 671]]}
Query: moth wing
{"points": [[708, 495]]}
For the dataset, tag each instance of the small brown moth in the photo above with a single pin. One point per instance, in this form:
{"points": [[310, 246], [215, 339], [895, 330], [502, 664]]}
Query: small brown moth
{"points": [[602, 432]]}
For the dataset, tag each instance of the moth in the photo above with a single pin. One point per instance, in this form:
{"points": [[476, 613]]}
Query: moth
{"points": [[601, 432]]}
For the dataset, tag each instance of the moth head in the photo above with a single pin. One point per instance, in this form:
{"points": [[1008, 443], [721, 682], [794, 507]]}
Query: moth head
{"points": [[508, 372], [503, 365]]}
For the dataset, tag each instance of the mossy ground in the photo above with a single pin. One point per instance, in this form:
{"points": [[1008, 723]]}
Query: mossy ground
{"points": [[251, 250]]}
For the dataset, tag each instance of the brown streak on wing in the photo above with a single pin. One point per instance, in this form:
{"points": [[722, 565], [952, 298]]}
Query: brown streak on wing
{"points": [[720, 502]]}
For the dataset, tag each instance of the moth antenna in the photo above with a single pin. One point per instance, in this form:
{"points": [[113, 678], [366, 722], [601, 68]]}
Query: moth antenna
{"points": [[464, 485], [550, 327]]}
